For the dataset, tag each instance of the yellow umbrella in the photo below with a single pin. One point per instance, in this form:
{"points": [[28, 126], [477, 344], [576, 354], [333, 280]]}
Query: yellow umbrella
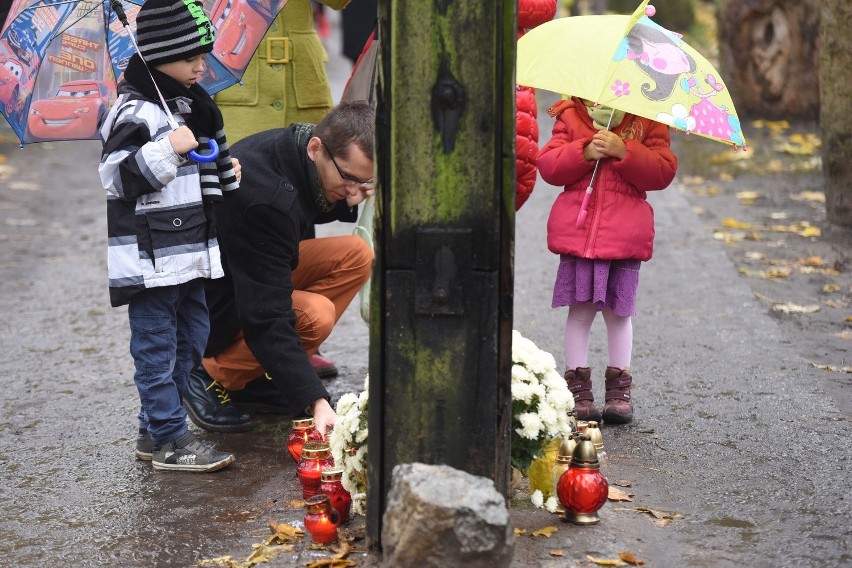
{"points": [[632, 64]]}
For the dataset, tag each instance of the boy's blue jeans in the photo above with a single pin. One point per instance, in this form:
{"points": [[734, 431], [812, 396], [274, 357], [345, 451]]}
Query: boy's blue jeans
{"points": [[168, 332]]}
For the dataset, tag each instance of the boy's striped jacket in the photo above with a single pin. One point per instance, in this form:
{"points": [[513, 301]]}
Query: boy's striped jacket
{"points": [[159, 231]]}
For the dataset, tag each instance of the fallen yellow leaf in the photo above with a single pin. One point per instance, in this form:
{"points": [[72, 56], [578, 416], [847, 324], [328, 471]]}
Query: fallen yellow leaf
{"points": [[297, 504], [630, 558], [810, 232], [730, 223], [829, 288], [556, 553], [748, 197], [520, 532], [546, 531], [606, 561], [809, 196]]}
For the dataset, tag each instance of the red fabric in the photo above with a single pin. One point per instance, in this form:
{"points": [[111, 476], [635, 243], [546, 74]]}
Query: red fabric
{"points": [[620, 222], [531, 13]]}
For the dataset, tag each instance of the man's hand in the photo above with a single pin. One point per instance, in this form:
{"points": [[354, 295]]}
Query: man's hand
{"points": [[324, 415], [360, 197]]}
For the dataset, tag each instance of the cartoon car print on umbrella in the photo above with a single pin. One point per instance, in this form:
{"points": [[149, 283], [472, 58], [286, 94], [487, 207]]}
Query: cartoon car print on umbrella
{"points": [[240, 25], [11, 78], [73, 113]]}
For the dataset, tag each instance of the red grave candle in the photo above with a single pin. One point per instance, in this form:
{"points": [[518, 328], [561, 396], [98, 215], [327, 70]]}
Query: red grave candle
{"points": [[340, 498], [316, 456], [583, 489], [321, 519], [302, 430]]}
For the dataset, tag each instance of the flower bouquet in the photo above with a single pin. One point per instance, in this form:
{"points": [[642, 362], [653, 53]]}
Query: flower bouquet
{"points": [[540, 404], [348, 441]]}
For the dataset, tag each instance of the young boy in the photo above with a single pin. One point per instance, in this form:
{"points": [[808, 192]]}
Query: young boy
{"points": [[162, 242]]}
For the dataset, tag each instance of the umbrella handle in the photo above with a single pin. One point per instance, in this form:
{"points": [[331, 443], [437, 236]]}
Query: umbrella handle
{"points": [[209, 157], [584, 208]]}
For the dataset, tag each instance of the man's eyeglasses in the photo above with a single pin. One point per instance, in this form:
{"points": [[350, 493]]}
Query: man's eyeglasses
{"points": [[347, 179]]}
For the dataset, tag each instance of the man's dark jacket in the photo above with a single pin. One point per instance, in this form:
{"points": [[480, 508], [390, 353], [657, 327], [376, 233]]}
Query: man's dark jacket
{"points": [[259, 234]]}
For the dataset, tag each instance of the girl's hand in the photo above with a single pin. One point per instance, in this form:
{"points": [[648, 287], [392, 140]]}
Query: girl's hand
{"points": [[182, 140], [608, 144]]}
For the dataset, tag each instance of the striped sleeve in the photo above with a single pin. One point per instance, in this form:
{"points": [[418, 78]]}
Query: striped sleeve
{"points": [[137, 158]]}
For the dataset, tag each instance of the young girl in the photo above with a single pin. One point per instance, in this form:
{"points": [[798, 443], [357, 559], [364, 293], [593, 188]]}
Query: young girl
{"points": [[600, 257]]}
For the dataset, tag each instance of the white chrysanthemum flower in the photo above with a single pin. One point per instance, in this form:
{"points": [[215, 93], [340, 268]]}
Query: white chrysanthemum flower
{"points": [[520, 374], [345, 403], [530, 425], [522, 391], [551, 504], [537, 498], [361, 436]]}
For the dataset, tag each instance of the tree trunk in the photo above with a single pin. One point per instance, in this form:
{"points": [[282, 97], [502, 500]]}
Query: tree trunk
{"points": [[768, 56], [441, 321], [836, 109]]}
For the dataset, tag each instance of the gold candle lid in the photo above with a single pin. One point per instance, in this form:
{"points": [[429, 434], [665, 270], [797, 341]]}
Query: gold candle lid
{"points": [[596, 435], [320, 503], [316, 450], [585, 456], [331, 474], [566, 448], [303, 423]]}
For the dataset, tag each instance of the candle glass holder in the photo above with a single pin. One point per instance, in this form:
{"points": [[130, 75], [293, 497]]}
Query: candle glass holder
{"points": [[331, 485], [316, 456], [583, 489], [302, 430], [321, 520]]}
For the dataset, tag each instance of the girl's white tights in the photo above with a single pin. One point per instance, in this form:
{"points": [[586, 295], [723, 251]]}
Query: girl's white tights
{"points": [[578, 326]]}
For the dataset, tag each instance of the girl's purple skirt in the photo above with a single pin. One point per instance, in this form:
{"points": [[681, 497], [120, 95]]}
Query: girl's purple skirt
{"points": [[606, 283]]}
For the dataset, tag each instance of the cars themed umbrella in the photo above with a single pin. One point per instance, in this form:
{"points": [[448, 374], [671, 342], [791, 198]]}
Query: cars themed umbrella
{"points": [[632, 64], [59, 59]]}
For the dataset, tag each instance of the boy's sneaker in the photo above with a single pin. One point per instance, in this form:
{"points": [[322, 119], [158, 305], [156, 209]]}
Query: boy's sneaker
{"points": [[186, 453], [144, 445]]}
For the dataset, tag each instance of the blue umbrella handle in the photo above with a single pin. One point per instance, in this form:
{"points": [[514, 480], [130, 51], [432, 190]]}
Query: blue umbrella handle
{"points": [[209, 157]]}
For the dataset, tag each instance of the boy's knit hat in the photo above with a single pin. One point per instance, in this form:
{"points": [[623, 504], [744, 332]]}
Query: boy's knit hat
{"points": [[171, 30]]}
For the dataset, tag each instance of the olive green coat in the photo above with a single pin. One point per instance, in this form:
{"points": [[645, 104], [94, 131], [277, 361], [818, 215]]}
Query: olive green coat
{"points": [[290, 87]]}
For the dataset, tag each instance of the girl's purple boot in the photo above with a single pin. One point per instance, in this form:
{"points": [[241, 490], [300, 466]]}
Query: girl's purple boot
{"points": [[580, 384], [617, 408]]}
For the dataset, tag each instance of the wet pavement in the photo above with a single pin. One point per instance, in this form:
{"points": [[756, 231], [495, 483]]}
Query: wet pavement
{"points": [[735, 432]]}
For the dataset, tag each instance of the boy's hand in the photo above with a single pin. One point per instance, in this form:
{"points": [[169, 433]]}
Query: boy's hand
{"points": [[182, 140], [608, 144], [238, 169]]}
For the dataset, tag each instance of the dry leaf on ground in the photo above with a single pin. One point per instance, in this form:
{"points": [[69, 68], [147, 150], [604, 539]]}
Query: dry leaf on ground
{"points": [[556, 553], [331, 563], [546, 531], [616, 494], [791, 308], [606, 561], [630, 558]]}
